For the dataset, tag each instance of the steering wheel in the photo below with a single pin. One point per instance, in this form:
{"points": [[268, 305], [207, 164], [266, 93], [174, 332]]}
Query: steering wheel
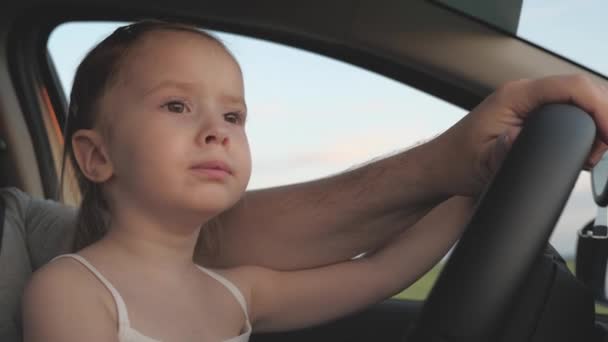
{"points": [[509, 230]]}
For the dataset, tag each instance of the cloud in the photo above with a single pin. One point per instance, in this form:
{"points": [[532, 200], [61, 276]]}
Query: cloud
{"points": [[293, 166], [347, 150]]}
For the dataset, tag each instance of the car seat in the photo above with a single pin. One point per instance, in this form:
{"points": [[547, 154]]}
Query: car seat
{"points": [[15, 269], [32, 231]]}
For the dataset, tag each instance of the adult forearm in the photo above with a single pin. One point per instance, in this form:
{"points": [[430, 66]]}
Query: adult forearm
{"points": [[335, 218], [332, 219]]}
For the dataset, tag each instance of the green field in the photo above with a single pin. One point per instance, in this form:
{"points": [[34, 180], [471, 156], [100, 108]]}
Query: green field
{"points": [[420, 289]]}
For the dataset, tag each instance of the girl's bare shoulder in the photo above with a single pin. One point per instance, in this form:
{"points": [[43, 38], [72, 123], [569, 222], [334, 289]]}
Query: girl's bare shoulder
{"points": [[63, 300], [66, 283], [62, 274]]}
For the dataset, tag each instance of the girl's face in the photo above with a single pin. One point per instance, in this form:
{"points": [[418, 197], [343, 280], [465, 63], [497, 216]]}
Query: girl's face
{"points": [[172, 123]]}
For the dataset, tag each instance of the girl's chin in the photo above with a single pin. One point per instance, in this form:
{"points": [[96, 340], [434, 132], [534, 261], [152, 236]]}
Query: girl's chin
{"points": [[203, 207], [205, 213]]}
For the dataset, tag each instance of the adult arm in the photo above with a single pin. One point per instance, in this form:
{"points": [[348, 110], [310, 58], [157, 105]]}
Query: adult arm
{"points": [[42, 228], [336, 218], [332, 219]]}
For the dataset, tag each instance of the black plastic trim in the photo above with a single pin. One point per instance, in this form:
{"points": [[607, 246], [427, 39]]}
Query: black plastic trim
{"points": [[26, 66]]}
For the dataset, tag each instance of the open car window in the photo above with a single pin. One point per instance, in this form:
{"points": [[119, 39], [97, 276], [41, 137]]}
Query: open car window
{"points": [[310, 116]]}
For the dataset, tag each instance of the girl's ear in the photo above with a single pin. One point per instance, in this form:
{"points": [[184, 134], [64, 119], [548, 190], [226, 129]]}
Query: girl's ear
{"points": [[91, 155]]}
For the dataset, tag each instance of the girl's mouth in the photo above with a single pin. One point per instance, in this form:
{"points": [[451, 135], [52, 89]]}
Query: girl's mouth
{"points": [[213, 169]]}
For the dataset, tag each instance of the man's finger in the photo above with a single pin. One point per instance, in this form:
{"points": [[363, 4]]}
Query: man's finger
{"points": [[574, 89]]}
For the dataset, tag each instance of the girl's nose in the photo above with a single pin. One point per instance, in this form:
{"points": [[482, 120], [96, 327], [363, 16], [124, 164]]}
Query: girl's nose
{"points": [[216, 135]]}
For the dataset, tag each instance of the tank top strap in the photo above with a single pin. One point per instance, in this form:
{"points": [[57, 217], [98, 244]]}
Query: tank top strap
{"points": [[238, 295], [121, 307]]}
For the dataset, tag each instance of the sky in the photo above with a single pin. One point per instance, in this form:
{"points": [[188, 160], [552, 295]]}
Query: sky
{"points": [[312, 116]]}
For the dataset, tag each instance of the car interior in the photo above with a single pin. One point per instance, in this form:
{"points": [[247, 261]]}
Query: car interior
{"points": [[507, 294]]}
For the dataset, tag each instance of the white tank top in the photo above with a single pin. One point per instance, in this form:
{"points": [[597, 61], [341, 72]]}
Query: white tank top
{"points": [[128, 334]]}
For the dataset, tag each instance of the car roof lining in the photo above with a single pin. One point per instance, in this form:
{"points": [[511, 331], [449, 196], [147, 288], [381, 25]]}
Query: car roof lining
{"points": [[419, 35], [420, 43]]}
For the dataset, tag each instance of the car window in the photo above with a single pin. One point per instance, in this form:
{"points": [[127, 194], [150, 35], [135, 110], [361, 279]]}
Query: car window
{"points": [[310, 116]]}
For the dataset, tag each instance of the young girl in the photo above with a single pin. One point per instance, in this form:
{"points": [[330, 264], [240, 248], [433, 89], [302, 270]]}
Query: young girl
{"points": [[156, 134]]}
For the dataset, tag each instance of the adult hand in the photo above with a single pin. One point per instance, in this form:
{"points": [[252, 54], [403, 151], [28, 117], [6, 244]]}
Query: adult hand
{"points": [[484, 136]]}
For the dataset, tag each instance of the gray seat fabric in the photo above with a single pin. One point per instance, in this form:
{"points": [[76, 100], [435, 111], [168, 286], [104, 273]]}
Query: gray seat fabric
{"points": [[34, 232]]}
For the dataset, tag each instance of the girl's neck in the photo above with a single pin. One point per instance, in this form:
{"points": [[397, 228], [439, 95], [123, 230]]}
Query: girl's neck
{"points": [[149, 242]]}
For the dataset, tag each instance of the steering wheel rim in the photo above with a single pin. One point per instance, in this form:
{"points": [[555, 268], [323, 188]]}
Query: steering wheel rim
{"points": [[512, 223]]}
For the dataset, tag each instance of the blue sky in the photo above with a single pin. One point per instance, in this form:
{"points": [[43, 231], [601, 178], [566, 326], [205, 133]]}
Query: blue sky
{"points": [[311, 116]]}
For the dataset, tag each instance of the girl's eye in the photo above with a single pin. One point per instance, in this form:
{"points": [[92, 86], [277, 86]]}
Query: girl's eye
{"points": [[235, 118], [175, 106]]}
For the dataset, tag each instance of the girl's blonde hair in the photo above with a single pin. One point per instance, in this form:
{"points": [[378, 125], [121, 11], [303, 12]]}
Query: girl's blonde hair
{"points": [[93, 77]]}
